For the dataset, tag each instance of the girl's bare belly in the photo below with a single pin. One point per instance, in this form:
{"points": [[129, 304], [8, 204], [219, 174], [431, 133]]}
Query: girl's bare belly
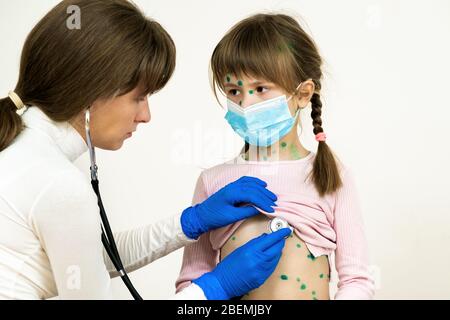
{"points": [[298, 276]]}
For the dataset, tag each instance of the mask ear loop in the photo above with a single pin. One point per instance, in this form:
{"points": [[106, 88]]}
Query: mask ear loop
{"points": [[299, 109]]}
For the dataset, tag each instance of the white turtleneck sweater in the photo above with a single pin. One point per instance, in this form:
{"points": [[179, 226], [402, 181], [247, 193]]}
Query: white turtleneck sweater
{"points": [[50, 235]]}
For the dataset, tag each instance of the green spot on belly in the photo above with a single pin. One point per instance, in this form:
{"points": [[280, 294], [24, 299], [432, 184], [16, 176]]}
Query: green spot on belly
{"points": [[303, 286], [321, 276], [284, 277], [310, 256], [299, 245], [233, 238]]}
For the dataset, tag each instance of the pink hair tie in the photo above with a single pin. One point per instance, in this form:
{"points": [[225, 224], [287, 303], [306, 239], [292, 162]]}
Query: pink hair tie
{"points": [[321, 136]]}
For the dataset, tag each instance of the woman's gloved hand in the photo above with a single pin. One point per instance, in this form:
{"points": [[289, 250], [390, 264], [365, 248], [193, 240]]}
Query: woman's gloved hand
{"points": [[244, 269], [222, 208]]}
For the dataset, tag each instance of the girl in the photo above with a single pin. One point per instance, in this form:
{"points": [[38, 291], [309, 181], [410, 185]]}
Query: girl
{"points": [[270, 69]]}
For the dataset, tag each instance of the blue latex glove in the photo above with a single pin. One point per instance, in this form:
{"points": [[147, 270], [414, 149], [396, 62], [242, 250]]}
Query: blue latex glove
{"points": [[222, 208], [246, 268]]}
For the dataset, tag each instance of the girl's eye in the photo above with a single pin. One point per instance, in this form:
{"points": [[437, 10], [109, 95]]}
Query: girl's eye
{"points": [[261, 89], [234, 92]]}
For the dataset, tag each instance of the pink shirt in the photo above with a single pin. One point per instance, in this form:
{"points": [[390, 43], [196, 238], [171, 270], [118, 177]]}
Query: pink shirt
{"points": [[332, 224]]}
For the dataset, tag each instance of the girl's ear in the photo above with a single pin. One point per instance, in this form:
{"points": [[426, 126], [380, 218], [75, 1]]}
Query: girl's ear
{"points": [[304, 93]]}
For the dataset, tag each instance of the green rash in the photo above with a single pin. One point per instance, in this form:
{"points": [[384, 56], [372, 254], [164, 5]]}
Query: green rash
{"points": [[240, 83], [303, 286], [283, 144], [321, 276], [294, 152], [233, 238], [310, 256], [299, 245], [251, 91], [284, 277]]}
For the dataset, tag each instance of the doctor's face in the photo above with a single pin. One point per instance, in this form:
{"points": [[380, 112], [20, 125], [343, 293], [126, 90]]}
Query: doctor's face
{"points": [[112, 121]]}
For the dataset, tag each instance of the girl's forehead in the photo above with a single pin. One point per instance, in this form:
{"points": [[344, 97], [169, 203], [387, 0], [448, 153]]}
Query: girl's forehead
{"points": [[247, 79]]}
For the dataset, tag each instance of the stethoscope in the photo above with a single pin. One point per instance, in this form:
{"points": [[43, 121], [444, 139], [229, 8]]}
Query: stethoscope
{"points": [[107, 235]]}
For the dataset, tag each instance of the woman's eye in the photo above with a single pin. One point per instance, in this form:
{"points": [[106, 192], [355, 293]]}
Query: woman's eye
{"points": [[261, 89], [234, 92]]}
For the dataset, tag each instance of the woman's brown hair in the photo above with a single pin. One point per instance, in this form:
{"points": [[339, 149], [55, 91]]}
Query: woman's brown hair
{"points": [[275, 47], [63, 71]]}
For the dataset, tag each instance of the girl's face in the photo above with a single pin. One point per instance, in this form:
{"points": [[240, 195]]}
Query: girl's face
{"points": [[246, 91], [114, 120]]}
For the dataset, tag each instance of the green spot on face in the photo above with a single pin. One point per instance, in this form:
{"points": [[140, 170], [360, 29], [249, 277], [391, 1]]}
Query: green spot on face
{"points": [[284, 277], [298, 279], [321, 276], [251, 91], [310, 256], [228, 78], [240, 83], [299, 245], [233, 238], [303, 286], [283, 144], [314, 293]]}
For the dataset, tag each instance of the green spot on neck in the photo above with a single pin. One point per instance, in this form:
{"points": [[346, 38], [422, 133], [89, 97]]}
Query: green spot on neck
{"points": [[233, 238], [284, 277], [299, 245]]}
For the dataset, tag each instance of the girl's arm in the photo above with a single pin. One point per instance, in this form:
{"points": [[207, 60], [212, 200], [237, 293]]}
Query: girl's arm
{"points": [[352, 261], [198, 257]]}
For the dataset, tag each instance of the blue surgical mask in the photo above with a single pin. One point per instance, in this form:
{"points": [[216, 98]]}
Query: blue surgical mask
{"points": [[264, 123]]}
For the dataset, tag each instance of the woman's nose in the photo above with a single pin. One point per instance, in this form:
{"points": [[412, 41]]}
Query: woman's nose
{"points": [[144, 114]]}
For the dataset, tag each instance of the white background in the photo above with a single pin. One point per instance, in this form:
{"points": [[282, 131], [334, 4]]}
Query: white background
{"points": [[385, 111]]}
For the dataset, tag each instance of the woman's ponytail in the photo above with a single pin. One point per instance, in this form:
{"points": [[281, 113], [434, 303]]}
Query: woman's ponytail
{"points": [[11, 124]]}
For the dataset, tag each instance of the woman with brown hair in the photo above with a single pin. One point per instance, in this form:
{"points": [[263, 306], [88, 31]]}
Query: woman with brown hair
{"points": [[50, 232]]}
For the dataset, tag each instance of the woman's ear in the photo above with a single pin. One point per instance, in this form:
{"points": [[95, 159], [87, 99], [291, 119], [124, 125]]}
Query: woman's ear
{"points": [[304, 93]]}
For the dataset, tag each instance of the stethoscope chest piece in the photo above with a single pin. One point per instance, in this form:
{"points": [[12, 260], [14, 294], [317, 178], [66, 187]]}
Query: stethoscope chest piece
{"points": [[278, 223]]}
